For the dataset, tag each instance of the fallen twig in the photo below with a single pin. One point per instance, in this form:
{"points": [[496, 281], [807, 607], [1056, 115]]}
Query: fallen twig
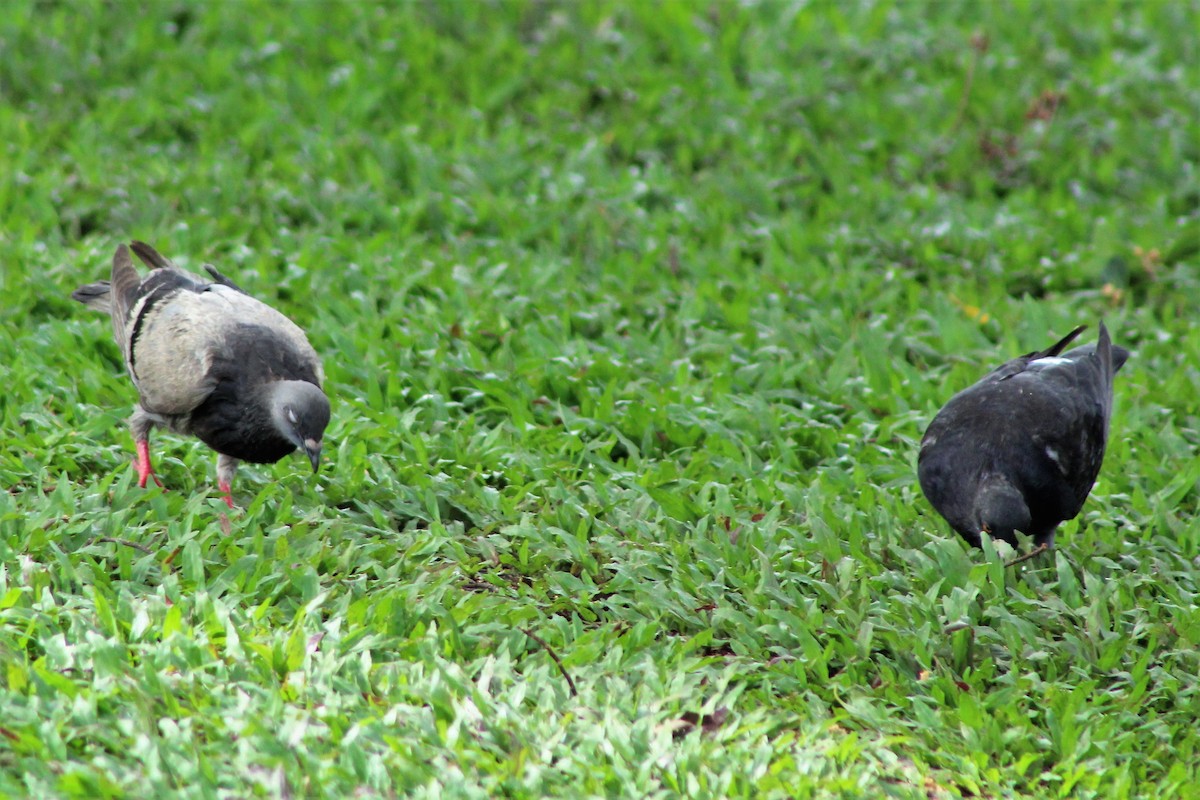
{"points": [[1034, 553], [554, 656], [124, 542]]}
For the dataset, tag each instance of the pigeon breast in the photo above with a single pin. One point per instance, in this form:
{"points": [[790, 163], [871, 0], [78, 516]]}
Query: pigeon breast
{"points": [[235, 416]]}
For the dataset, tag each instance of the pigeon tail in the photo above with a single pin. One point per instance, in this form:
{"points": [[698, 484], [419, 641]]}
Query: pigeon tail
{"points": [[97, 296], [1112, 357], [1105, 354]]}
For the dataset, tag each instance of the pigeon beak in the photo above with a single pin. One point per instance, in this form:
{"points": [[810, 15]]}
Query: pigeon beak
{"points": [[312, 448]]}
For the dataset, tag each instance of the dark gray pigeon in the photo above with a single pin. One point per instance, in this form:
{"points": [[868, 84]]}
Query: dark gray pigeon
{"points": [[1020, 450], [211, 361]]}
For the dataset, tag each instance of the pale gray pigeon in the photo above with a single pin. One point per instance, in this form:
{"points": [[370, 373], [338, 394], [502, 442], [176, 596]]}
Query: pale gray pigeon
{"points": [[210, 361]]}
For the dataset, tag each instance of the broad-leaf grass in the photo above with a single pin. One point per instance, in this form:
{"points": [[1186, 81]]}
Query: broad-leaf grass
{"points": [[633, 316]]}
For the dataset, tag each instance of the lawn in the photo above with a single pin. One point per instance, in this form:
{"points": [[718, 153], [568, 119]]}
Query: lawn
{"points": [[633, 315]]}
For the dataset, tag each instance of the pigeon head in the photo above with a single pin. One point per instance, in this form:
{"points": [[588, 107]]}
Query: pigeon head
{"points": [[1001, 510], [300, 411]]}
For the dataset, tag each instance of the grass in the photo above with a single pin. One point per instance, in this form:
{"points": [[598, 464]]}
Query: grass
{"points": [[633, 316]]}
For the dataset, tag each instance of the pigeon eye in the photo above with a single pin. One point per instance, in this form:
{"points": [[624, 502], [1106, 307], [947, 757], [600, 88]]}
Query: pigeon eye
{"points": [[291, 415]]}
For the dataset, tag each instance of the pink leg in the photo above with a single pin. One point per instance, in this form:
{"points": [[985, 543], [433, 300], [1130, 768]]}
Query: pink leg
{"points": [[226, 492], [142, 463], [226, 469], [226, 495]]}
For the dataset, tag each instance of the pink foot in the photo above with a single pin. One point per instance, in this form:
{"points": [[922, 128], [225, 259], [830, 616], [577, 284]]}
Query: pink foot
{"points": [[142, 464]]}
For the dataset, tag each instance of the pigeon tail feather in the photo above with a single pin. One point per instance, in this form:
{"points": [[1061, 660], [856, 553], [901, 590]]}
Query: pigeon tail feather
{"points": [[1105, 354], [97, 296], [1112, 357]]}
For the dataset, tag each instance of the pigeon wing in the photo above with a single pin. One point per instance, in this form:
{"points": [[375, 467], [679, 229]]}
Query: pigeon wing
{"points": [[1069, 436], [222, 278], [1059, 346], [1021, 363], [183, 339]]}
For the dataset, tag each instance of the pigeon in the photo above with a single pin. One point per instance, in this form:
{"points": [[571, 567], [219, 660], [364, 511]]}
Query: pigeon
{"points": [[1020, 450], [210, 361]]}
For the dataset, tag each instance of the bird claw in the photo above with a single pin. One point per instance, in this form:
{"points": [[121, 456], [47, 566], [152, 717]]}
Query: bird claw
{"points": [[143, 477]]}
